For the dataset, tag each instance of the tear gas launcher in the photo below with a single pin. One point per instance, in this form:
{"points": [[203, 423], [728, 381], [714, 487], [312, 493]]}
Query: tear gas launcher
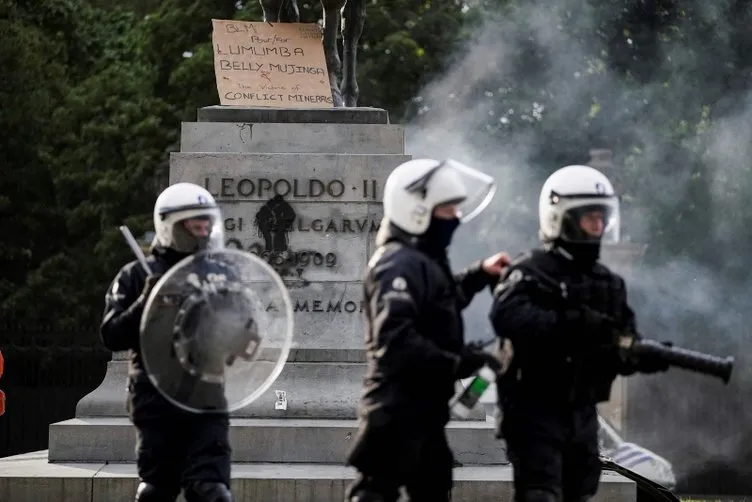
{"points": [[633, 346]]}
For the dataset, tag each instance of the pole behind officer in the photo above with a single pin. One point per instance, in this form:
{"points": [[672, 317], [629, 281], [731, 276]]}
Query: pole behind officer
{"points": [[560, 307], [414, 335], [175, 448]]}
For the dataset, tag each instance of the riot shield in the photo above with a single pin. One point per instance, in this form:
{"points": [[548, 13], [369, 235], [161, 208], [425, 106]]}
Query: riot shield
{"points": [[216, 331]]}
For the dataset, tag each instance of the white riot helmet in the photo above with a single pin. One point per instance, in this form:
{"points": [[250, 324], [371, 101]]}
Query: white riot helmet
{"points": [[416, 187], [180, 202], [567, 195]]}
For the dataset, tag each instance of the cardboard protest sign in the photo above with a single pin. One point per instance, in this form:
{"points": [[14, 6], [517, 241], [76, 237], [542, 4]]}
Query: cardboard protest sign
{"points": [[279, 65]]}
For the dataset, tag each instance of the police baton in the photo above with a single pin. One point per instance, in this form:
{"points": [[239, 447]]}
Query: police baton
{"points": [[135, 248]]}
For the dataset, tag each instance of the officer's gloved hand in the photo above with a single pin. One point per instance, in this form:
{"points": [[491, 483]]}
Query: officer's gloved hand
{"points": [[653, 364], [470, 361], [151, 280]]}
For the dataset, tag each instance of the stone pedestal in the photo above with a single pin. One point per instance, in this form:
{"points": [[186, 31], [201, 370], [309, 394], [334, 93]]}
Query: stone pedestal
{"points": [[325, 170], [620, 258], [107, 400]]}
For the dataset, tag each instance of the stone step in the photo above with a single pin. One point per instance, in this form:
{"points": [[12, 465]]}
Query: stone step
{"points": [[259, 440], [30, 478], [292, 138]]}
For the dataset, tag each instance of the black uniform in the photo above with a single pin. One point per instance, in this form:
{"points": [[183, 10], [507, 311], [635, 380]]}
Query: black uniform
{"points": [[415, 353], [560, 315], [175, 448]]}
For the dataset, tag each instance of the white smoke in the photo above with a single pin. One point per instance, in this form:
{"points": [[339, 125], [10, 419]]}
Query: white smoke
{"points": [[505, 101]]}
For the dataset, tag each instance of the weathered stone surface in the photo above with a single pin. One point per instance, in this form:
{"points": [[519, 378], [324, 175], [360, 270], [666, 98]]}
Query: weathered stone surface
{"points": [[292, 138], [359, 115], [107, 400], [29, 478], [247, 177], [328, 315], [313, 390], [320, 242]]}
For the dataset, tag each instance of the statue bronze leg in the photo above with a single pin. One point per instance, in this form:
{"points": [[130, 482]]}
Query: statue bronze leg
{"points": [[279, 11], [355, 16], [290, 12], [332, 19]]}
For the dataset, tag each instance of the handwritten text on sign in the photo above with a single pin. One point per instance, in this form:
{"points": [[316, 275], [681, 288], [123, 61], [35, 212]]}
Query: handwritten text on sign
{"points": [[280, 65]]}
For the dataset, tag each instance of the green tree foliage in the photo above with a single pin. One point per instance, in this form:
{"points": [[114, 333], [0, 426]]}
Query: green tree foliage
{"points": [[33, 85]]}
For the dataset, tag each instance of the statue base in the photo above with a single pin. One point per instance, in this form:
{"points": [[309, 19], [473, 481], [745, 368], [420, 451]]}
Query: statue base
{"points": [[29, 478], [108, 400]]}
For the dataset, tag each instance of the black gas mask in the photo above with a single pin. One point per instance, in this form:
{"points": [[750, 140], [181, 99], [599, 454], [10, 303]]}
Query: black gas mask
{"points": [[439, 234]]}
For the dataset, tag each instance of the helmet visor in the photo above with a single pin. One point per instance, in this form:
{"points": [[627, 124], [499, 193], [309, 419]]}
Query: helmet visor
{"points": [[472, 189], [591, 219], [198, 232]]}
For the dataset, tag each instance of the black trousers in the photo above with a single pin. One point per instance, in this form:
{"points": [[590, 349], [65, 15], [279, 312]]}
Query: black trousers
{"points": [[553, 450], [388, 458], [175, 447]]}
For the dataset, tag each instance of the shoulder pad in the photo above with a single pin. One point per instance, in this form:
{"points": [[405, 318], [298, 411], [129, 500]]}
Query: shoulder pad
{"points": [[515, 274], [395, 254], [527, 261], [544, 261], [126, 281], [133, 267], [537, 267], [521, 258]]}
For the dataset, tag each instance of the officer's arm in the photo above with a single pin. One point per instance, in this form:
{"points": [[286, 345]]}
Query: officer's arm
{"points": [[395, 300], [124, 305], [471, 281], [645, 364], [516, 315], [628, 367]]}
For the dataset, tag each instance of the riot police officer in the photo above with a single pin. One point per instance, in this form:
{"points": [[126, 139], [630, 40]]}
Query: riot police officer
{"points": [[414, 337], [175, 448], [560, 308]]}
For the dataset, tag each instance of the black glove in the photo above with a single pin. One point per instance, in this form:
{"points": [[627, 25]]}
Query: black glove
{"points": [[653, 364], [471, 360], [151, 280]]}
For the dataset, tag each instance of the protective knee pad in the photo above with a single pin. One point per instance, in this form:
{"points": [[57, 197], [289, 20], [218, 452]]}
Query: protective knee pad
{"points": [[149, 493], [206, 491], [537, 495]]}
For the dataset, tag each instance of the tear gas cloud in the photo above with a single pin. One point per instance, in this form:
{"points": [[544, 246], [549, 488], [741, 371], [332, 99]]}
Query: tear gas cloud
{"points": [[511, 104]]}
